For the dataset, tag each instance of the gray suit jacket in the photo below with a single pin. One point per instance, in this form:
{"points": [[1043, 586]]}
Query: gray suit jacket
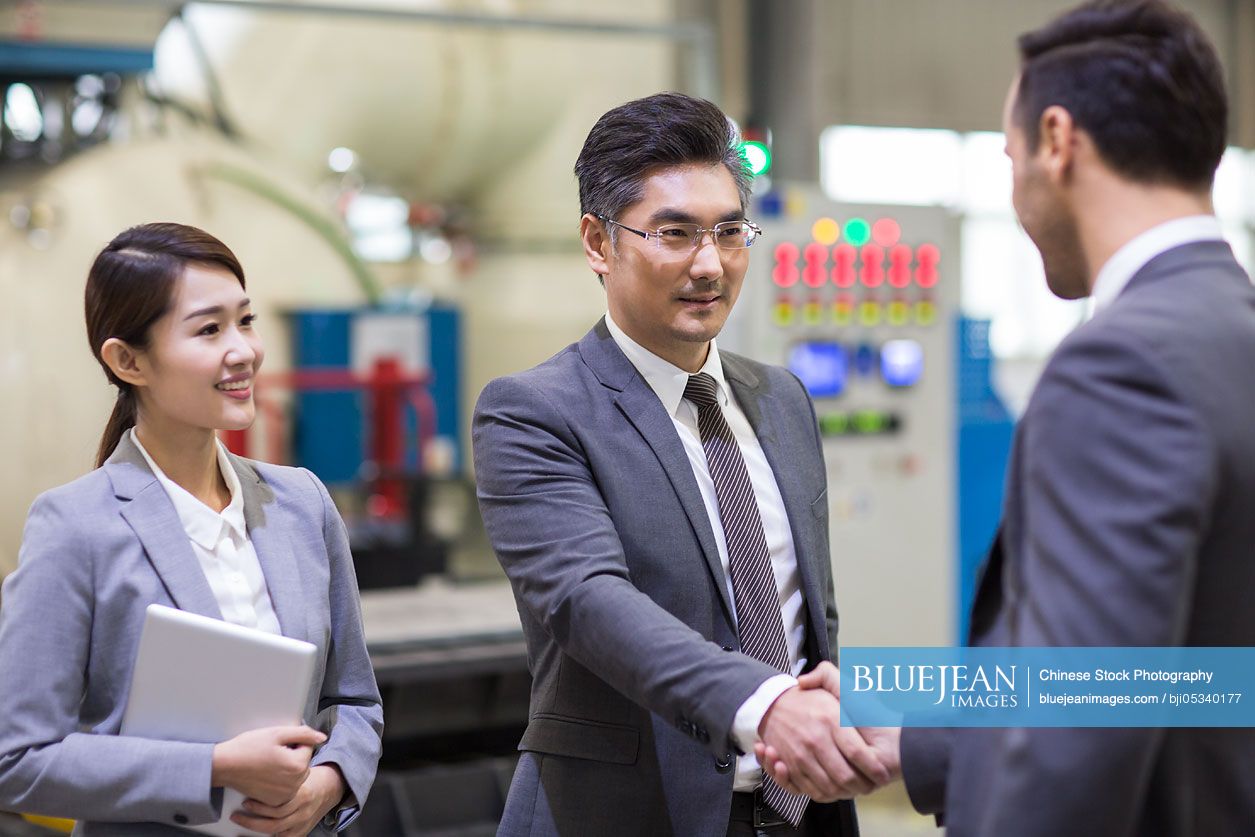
{"points": [[595, 514], [1128, 522], [96, 552]]}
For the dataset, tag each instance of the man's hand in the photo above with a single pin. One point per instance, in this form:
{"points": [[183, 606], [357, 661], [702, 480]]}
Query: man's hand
{"points": [[882, 742], [886, 744], [806, 751], [269, 764], [322, 790]]}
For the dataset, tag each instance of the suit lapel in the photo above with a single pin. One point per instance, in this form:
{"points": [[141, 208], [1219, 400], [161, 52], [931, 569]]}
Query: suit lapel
{"points": [[151, 515], [641, 407], [766, 417], [263, 516]]}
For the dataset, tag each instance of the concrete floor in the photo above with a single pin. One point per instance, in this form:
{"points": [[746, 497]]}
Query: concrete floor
{"points": [[888, 813]]}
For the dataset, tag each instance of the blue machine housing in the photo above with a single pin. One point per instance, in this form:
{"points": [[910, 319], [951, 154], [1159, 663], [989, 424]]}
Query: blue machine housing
{"points": [[985, 429], [329, 427]]}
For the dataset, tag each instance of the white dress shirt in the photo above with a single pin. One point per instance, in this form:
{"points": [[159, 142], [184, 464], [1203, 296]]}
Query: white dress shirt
{"points": [[668, 382], [1137, 252], [221, 544]]}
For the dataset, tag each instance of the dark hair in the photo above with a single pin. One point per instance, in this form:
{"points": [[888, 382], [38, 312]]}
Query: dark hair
{"points": [[666, 129], [130, 286], [1141, 78]]}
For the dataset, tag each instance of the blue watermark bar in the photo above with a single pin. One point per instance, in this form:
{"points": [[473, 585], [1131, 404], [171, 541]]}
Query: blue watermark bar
{"points": [[1048, 687]]}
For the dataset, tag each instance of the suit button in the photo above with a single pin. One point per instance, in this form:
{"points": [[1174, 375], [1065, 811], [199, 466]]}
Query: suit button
{"points": [[180, 819], [723, 763], [727, 648]]}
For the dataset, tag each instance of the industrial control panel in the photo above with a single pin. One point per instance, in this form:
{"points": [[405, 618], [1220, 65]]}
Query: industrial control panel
{"points": [[860, 303]]}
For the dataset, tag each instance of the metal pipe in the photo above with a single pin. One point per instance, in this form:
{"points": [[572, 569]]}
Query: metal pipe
{"points": [[689, 31]]}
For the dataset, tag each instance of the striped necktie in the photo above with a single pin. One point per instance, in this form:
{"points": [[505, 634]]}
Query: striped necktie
{"points": [[759, 624]]}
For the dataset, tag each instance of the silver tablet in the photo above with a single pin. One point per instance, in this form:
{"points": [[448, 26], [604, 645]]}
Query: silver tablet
{"points": [[203, 680]]}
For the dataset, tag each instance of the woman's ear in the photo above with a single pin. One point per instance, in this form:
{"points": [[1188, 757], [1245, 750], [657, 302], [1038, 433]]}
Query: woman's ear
{"points": [[123, 361]]}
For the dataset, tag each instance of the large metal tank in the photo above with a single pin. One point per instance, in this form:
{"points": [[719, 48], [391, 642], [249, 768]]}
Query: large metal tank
{"points": [[434, 110]]}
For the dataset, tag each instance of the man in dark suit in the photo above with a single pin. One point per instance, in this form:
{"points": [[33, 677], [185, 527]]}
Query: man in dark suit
{"points": [[1127, 517], [661, 511]]}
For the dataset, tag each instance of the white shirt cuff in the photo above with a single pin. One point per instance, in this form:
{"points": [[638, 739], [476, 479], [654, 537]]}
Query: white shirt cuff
{"points": [[750, 715]]}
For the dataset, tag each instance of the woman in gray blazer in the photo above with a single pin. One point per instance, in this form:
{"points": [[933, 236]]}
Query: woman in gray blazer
{"points": [[169, 516]]}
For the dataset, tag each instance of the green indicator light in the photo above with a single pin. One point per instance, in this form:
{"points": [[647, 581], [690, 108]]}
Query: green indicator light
{"points": [[834, 424], [757, 157], [857, 231], [867, 421]]}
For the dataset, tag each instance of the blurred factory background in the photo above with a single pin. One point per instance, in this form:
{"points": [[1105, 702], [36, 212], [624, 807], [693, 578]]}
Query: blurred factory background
{"points": [[395, 176]]}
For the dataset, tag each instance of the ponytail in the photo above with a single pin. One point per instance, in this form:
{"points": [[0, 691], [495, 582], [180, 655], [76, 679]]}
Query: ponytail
{"points": [[121, 420]]}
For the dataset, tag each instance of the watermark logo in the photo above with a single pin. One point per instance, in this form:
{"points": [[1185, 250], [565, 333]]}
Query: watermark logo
{"points": [[957, 686]]}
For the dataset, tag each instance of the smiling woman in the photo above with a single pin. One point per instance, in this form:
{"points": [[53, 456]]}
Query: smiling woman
{"points": [[170, 517], [183, 289]]}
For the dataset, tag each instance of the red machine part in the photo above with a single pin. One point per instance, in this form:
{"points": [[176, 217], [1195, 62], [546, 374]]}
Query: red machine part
{"points": [[389, 389]]}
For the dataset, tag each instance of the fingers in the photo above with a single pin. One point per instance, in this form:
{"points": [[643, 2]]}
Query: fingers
{"points": [[861, 757], [815, 778], [841, 768], [839, 779], [257, 808], [272, 797], [824, 676], [886, 743], [295, 822], [775, 768], [298, 736], [817, 768]]}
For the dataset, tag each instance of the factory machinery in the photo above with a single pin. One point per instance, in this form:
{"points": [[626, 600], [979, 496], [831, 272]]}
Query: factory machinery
{"points": [[862, 304]]}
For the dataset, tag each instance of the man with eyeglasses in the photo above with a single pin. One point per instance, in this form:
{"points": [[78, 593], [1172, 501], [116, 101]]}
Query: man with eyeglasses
{"points": [[660, 509]]}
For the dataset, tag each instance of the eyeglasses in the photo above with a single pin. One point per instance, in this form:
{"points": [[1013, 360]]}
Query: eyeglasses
{"points": [[684, 238]]}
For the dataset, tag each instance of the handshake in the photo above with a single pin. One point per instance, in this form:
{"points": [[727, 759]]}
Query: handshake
{"points": [[805, 750]]}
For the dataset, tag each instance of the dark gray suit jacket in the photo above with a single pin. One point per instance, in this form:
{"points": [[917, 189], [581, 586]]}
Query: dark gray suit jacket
{"points": [[1128, 522], [96, 552], [595, 514]]}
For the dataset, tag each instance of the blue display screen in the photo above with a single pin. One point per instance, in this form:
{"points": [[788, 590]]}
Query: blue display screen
{"points": [[901, 362], [822, 367]]}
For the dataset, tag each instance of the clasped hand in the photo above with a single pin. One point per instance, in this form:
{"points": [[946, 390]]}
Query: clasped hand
{"points": [[270, 766], [805, 749]]}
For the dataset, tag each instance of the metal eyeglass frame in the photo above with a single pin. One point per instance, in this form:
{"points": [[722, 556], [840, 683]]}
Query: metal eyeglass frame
{"points": [[698, 235]]}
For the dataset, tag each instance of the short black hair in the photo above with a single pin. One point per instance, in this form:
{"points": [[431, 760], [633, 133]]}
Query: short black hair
{"points": [[636, 138], [1141, 78]]}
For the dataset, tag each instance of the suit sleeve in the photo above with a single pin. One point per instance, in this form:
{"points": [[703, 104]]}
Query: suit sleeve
{"points": [[1119, 479], [557, 542], [925, 754], [48, 765], [350, 710]]}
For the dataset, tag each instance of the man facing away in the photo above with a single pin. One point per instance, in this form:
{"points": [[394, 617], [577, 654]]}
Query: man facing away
{"points": [[1127, 518], [660, 509]]}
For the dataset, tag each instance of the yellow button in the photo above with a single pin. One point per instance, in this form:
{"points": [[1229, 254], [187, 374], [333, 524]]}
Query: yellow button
{"points": [[897, 312], [869, 313], [842, 313], [826, 231], [812, 313], [783, 314], [925, 312]]}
